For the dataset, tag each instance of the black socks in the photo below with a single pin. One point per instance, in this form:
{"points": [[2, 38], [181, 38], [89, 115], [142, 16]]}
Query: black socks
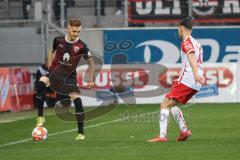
{"points": [[41, 89], [79, 114]]}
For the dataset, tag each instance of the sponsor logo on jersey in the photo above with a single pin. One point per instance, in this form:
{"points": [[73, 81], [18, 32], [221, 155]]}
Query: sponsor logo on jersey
{"points": [[66, 57]]}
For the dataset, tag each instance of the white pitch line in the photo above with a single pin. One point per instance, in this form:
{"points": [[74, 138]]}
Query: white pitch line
{"points": [[17, 142], [91, 126], [71, 130]]}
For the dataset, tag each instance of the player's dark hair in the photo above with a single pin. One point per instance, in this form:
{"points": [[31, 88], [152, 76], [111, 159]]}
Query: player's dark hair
{"points": [[187, 23], [75, 22]]}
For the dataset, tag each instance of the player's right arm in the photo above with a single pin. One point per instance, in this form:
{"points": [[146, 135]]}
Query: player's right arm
{"points": [[52, 52], [188, 49], [192, 60], [51, 55], [91, 70]]}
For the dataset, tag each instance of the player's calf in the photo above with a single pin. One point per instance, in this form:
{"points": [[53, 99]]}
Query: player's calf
{"points": [[79, 115], [41, 89]]}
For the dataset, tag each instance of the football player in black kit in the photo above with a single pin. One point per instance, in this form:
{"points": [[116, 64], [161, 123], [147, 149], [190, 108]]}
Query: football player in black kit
{"points": [[63, 59]]}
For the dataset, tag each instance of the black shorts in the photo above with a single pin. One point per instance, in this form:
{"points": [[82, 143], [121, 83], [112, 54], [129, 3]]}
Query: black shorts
{"points": [[63, 84]]}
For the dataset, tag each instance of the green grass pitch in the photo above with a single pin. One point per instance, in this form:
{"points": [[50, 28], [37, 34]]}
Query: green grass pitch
{"points": [[122, 135]]}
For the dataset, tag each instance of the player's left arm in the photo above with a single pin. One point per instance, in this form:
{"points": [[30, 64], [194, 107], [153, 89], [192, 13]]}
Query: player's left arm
{"points": [[193, 63], [91, 71], [91, 66]]}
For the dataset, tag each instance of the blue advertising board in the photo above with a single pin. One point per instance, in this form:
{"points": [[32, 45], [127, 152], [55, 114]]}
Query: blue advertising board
{"points": [[108, 95], [163, 45], [207, 91]]}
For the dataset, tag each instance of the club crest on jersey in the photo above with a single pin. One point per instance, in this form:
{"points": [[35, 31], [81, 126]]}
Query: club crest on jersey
{"points": [[66, 57], [76, 49]]}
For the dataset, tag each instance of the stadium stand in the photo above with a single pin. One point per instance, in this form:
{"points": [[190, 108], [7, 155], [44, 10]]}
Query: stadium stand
{"points": [[83, 9]]}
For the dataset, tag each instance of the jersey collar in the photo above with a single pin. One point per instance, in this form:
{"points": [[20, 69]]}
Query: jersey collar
{"points": [[71, 41]]}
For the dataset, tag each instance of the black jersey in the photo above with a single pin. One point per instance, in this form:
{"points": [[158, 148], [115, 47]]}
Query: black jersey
{"points": [[68, 54]]}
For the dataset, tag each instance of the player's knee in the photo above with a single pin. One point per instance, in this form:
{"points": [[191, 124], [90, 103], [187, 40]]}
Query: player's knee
{"points": [[45, 80], [167, 103], [74, 96], [163, 106]]}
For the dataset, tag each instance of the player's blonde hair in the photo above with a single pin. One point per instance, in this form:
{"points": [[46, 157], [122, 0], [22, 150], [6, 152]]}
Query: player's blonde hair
{"points": [[75, 22]]}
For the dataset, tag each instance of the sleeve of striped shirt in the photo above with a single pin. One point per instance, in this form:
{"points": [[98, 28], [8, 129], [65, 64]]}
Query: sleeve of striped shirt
{"points": [[187, 46]]}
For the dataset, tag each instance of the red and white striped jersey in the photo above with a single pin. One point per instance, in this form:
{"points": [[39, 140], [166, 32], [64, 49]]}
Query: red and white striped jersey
{"points": [[187, 46]]}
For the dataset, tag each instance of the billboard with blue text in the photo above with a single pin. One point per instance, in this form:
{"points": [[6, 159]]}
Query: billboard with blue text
{"points": [[163, 45]]}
